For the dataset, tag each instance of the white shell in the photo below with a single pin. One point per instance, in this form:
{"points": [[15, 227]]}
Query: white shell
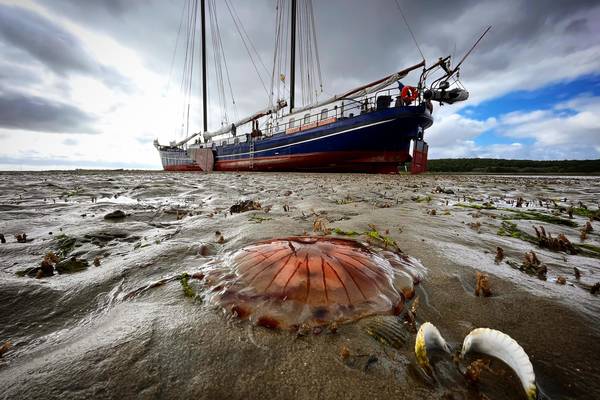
{"points": [[433, 338], [428, 337], [500, 345]]}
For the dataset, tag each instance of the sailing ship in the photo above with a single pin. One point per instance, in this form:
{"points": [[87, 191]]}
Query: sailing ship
{"points": [[371, 128]]}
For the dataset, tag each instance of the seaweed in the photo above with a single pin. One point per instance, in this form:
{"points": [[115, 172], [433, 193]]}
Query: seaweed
{"points": [[185, 285], [510, 229], [537, 216], [64, 245], [560, 243], [71, 193], [258, 219], [31, 271], [372, 234], [387, 241], [589, 247], [485, 206], [585, 212], [346, 200], [71, 265], [339, 231], [426, 199]]}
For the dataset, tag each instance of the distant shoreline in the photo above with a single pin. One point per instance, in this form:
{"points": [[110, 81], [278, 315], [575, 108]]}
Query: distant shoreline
{"points": [[514, 167], [459, 166], [428, 173]]}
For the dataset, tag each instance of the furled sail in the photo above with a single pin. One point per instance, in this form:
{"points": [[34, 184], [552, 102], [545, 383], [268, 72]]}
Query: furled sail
{"points": [[269, 110]]}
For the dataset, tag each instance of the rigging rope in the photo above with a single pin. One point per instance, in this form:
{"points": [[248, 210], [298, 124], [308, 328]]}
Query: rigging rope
{"points": [[314, 32], [308, 62], [188, 67], [217, 56], [176, 45], [222, 52], [191, 67], [239, 30], [410, 30]]}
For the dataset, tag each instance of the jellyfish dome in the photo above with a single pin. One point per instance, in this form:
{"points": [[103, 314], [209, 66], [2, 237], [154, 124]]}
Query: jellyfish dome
{"points": [[313, 281]]}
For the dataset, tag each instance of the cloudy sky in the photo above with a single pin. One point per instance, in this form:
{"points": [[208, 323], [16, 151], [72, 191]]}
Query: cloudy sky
{"points": [[91, 83]]}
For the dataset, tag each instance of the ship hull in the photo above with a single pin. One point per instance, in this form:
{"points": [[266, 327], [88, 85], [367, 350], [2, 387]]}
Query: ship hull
{"points": [[374, 142]]}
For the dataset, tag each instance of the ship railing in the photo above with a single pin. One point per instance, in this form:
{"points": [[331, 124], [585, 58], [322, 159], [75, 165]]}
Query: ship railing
{"points": [[344, 108], [341, 109]]}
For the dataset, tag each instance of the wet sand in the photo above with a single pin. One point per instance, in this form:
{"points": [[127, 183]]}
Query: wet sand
{"points": [[79, 335]]}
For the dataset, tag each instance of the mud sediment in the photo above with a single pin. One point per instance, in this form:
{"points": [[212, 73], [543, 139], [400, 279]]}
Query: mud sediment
{"points": [[79, 335]]}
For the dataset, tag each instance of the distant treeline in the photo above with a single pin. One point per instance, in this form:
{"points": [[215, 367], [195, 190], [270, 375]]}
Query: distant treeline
{"points": [[494, 165]]}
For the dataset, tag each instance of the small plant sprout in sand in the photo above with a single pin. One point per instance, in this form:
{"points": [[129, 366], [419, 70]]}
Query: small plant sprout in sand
{"points": [[585, 230], [483, 286], [499, 255], [5, 347], [532, 265], [185, 285], [560, 243], [320, 226]]}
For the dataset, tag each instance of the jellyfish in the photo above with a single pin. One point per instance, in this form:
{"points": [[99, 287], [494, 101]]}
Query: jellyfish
{"points": [[310, 282]]}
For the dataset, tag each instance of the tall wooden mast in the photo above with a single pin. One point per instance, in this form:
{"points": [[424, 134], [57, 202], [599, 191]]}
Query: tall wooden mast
{"points": [[293, 57], [204, 105]]}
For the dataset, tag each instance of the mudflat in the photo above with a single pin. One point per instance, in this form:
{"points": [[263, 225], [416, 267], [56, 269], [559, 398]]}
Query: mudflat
{"points": [[116, 322]]}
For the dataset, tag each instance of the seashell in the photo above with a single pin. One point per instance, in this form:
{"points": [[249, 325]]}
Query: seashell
{"points": [[388, 331], [428, 338], [501, 346]]}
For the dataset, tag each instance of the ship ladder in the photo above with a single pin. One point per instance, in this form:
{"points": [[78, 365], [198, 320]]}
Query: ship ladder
{"points": [[251, 155]]}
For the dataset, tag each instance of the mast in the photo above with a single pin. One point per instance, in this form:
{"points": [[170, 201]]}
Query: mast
{"points": [[292, 56], [204, 105]]}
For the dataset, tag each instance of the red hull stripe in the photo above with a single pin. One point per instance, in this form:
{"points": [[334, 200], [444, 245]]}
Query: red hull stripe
{"points": [[183, 167], [331, 161]]}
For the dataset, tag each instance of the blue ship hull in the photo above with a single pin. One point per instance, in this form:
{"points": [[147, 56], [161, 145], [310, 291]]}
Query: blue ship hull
{"points": [[377, 141]]}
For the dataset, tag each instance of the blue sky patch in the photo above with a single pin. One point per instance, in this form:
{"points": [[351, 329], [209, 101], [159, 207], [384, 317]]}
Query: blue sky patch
{"points": [[544, 98]]}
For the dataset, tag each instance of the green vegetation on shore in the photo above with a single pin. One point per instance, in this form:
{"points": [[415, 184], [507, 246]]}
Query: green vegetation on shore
{"points": [[493, 165]]}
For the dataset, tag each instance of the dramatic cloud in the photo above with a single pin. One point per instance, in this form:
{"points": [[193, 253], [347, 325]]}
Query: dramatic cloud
{"points": [[31, 113], [51, 45], [74, 63], [571, 128]]}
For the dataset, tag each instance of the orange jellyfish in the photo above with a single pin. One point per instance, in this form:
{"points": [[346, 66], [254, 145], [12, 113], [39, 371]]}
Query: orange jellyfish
{"points": [[313, 281]]}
